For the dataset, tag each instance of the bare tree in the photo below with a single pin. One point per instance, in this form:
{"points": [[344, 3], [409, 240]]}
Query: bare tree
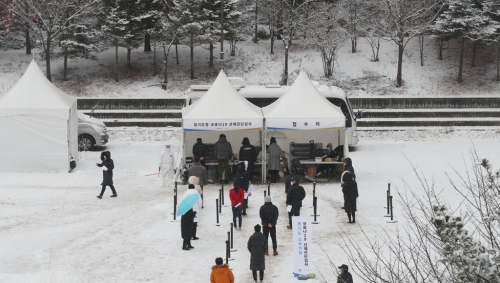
{"points": [[404, 20], [49, 18], [325, 32]]}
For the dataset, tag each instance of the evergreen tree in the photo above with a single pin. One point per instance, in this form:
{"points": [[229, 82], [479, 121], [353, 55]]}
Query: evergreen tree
{"points": [[461, 20]]}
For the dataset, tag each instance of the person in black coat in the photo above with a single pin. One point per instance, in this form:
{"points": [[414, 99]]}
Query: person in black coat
{"points": [[200, 150], [107, 166], [257, 246], [350, 190], [243, 181], [248, 153], [294, 198], [348, 167], [288, 180], [187, 229], [269, 216], [344, 276]]}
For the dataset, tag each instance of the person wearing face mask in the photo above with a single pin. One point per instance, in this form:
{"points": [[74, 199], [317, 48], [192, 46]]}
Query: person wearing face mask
{"points": [[107, 166], [166, 163]]}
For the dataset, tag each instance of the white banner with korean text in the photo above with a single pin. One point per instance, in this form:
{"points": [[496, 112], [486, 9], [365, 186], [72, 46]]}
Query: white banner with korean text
{"points": [[221, 125], [302, 244], [304, 124]]}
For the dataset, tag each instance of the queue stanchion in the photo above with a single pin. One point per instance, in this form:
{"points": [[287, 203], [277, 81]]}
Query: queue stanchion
{"points": [[314, 192], [228, 245], [265, 194], [388, 196], [315, 204], [227, 251], [392, 212], [232, 238], [175, 203], [217, 212], [220, 201], [269, 189]]}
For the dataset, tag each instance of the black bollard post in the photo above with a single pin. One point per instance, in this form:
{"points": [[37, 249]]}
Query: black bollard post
{"points": [[388, 196], [265, 194], [222, 193], [227, 253], [314, 192], [315, 204], [217, 211], [232, 238], [228, 245], [269, 189], [175, 201], [220, 201], [392, 211]]}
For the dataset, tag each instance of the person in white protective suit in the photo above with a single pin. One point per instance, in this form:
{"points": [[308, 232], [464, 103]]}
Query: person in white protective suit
{"points": [[166, 163]]}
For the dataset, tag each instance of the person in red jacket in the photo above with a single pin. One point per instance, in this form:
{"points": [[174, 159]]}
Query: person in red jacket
{"points": [[236, 195]]}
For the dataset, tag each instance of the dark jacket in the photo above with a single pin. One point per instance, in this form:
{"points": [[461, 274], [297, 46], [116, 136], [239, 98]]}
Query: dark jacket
{"points": [[187, 222], [199, 171], [223, 149], [348, 167], [295, 195], [288, 180], [242, 177], [345, 277], [107, 176], [248, 153], [200, 150], [350, 190], [269, 214], [257, 246]]}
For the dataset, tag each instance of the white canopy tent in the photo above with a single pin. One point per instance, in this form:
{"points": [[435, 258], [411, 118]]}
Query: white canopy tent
{"points": [[305, 114], [39, 126], [221, 109]]}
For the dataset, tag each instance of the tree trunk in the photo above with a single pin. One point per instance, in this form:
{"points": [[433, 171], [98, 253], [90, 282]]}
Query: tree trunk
{"points": [[28, 41], [65, 69], [399, 77], [47, 56], [116, 61], [473, 63], [211, 62], [284, 77], [165, 74], [129, 63], [421, 45], [460, 67], [191, 56], [272, 44], [440, 44], [378, 49], [154, 58], [176, 54], [255, 40], [498, 62], [147, 42], [353, 44], [279, 27]]}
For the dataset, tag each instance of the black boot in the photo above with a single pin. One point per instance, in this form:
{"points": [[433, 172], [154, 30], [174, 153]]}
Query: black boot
{"points": [[349, 216], [184, 245], [194, 231], [353, 217], [189, 244]]}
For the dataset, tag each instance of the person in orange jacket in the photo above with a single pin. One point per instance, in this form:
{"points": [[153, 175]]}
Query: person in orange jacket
{"points": [[221, 273]]}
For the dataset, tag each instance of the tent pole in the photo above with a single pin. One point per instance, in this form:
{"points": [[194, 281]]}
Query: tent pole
{"points": [[346, 144], [264, 154]]}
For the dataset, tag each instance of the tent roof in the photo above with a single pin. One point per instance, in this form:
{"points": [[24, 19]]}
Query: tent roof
{"points": [[303, 105], [34, 94], [222, 104]]}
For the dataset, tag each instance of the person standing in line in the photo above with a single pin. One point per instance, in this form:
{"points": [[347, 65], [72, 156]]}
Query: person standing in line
{"points": [[257, 245], [236, 195], [248, 153], [350, 190], [197, 170], [288, 179], [223, 152], [221, 273], [294, 198], [107, 166], [187, 221], [344, 276], [196, 208], [274, 151], [166, 163], [347, 168], [269, 216], [243, 181], [200, 151]]}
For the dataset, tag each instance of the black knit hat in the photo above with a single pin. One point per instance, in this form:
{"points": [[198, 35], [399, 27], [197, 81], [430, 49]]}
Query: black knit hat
{"points": [[191, 186]]}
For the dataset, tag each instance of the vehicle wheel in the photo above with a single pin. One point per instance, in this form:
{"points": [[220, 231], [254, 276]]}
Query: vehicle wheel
{"points": [[85, 143]]}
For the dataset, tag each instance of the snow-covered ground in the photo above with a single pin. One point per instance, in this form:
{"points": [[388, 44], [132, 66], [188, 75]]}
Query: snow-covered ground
{"points": [[53, 228]]}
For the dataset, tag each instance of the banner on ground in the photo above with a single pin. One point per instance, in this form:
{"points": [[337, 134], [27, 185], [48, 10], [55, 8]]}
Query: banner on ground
{"points": [[302, 243]]}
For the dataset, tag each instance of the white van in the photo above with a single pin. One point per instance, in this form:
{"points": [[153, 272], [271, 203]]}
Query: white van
{"points": [[265, 95]]}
